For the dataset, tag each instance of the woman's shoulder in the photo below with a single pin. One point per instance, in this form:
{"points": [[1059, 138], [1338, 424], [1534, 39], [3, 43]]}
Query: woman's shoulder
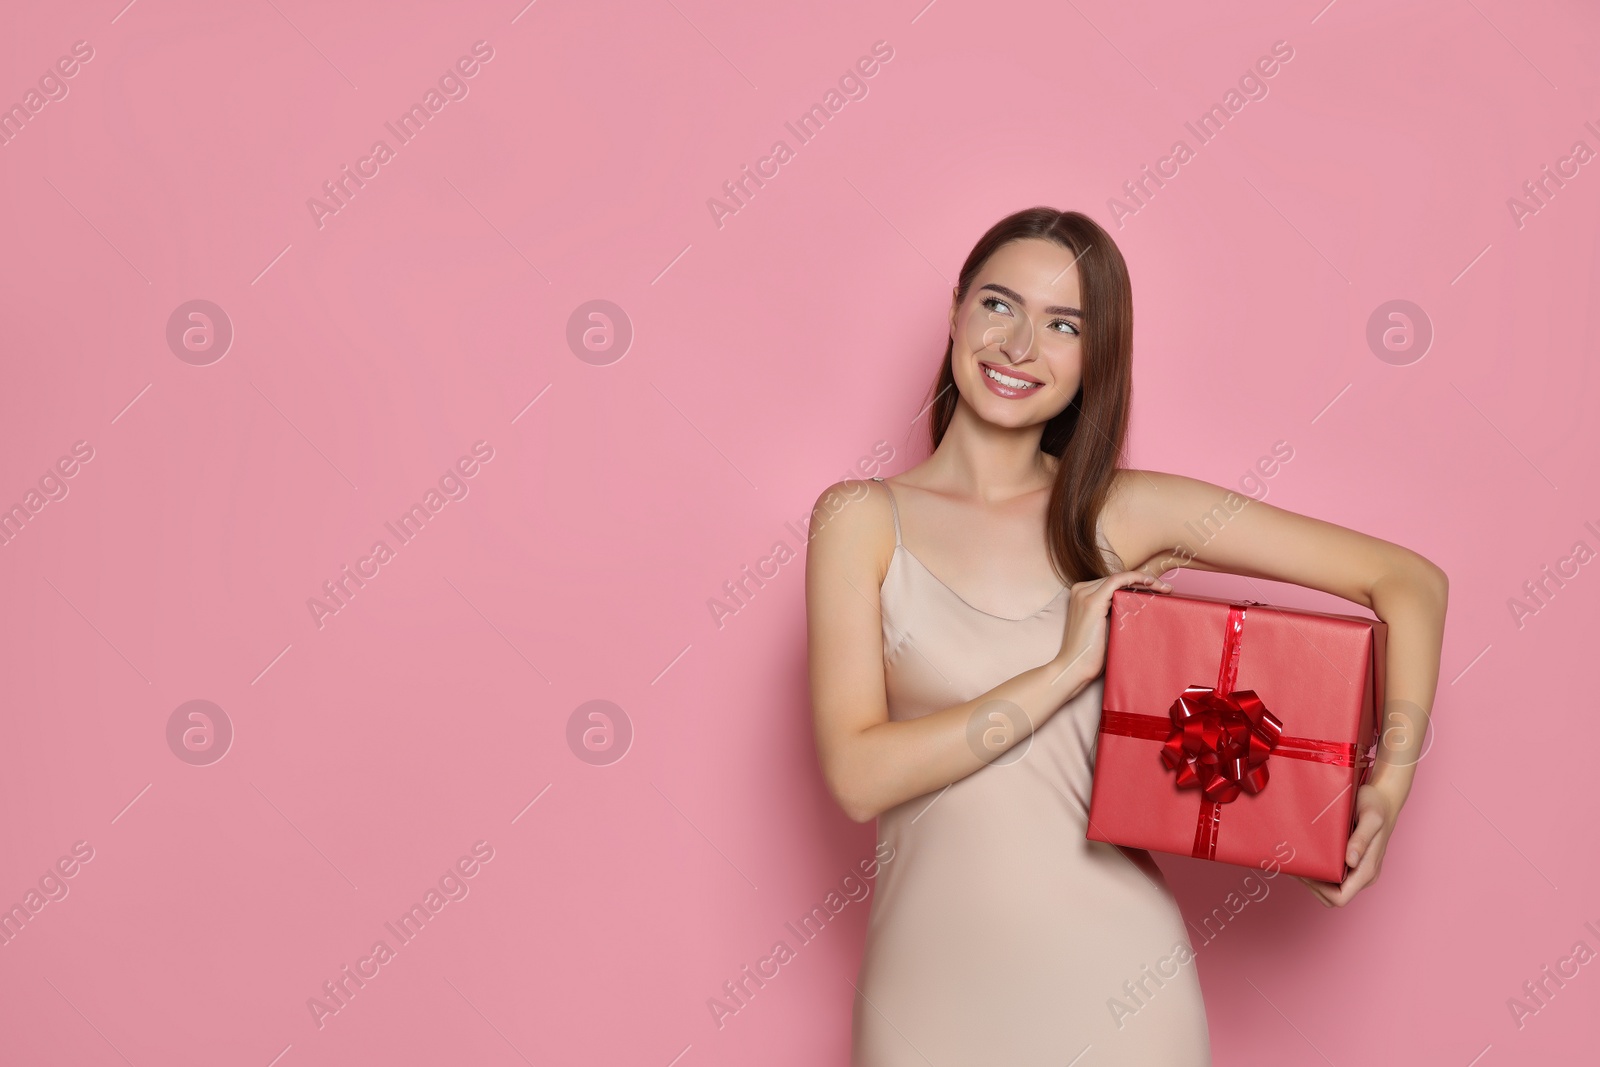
{"points": [[1143, 503], [1123, 519], [876, 494], [846, 491], [1133, 489], [853, 519]]}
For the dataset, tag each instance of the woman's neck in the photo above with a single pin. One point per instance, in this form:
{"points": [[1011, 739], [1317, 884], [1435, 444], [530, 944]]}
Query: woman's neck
{"points": [[992, 463]]}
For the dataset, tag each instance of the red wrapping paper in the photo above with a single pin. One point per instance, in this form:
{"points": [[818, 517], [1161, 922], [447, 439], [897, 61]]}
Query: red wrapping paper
{"points": [[1230, 729]]}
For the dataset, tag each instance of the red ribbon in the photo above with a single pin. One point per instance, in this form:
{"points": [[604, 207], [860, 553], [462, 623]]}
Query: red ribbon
{"points": [[1217, 739]]}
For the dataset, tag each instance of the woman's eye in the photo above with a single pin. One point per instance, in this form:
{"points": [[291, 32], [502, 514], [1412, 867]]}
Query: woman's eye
{"points": [[994, 303]]}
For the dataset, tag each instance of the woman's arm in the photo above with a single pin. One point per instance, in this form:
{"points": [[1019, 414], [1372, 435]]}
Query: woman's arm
{"points": [[872, 763], [1172, 521]]}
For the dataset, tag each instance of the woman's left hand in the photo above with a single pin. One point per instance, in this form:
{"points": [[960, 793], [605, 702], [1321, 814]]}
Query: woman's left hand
{"points": [[1376, 811]]}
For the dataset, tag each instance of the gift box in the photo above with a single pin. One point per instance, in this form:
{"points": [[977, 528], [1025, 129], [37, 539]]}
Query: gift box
{"points": [[1235, 731]]}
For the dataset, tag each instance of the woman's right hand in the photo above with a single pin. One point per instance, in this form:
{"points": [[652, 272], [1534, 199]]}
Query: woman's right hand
{"points": [[1083, 640]]}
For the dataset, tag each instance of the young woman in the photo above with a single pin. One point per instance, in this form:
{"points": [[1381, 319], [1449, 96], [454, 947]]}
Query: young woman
{"points": [[957, 617]]}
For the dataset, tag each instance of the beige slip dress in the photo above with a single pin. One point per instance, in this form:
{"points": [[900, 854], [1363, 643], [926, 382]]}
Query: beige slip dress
{"points": [[999, 934]]}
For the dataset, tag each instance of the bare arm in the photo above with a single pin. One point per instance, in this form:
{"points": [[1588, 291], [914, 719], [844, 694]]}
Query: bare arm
{"points": [[1171, 521], [872, 763]]}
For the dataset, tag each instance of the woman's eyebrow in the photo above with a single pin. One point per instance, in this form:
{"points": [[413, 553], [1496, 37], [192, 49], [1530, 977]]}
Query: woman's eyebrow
{"points": [[1015, 296]]}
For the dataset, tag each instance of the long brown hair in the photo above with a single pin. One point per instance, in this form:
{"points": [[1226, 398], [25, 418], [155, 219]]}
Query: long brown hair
{"points": [[1089, 437]]}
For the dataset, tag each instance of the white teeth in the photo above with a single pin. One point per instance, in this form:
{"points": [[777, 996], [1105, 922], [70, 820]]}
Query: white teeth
{"points": [[1006, 379]]}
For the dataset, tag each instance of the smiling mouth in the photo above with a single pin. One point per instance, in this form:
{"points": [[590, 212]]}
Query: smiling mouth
{"points": [[1008, 380]]}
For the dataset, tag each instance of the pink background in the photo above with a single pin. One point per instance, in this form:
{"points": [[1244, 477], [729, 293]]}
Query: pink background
{"points": [[769, 355]]}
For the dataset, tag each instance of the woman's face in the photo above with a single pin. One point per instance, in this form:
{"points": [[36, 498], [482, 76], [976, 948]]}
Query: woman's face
{"points": [[1017, 345]]}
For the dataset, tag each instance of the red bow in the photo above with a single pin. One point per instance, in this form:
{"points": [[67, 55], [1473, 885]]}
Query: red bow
{"points": [[1220, 742]]}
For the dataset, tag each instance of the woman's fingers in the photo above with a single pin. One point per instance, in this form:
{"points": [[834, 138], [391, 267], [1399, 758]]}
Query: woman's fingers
{"points": [[1126, 578], [1316, 891], [1095, 595]]}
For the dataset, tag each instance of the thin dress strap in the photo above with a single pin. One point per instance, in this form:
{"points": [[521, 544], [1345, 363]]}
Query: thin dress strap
{"points": [[894, 509]]}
